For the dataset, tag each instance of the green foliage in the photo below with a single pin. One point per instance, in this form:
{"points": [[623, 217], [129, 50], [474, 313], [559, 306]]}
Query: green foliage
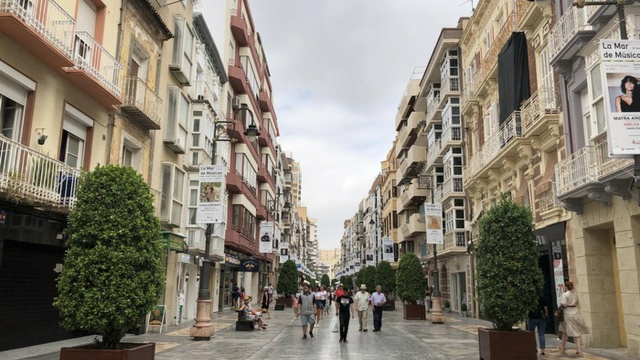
{"points": [[410, 282], [463, 307], [113, 272], [386, 277], [288, 279], [368, 277], [325, 280], [508, 274], [344, 280]]}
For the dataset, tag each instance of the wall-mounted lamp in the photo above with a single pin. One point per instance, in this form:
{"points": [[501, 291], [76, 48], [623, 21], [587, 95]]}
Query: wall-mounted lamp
{"points": [[198, 277], [186, 277]]}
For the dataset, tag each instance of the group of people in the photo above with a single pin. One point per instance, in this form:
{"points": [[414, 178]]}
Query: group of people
{"points": [[310, 307]]}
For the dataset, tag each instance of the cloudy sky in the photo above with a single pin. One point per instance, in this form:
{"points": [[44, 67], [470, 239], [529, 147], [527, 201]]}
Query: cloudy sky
{"points": [[338, 70]]}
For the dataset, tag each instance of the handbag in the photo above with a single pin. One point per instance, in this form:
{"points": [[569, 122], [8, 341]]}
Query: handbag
{"points": [[335, 324], [559, 314]]}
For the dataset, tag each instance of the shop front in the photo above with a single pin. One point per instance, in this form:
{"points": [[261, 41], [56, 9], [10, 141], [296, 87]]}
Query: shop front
{"points": [[228, 281]]}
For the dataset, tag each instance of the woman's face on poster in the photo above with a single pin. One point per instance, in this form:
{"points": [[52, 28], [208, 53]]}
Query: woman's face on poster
{"points": [[629, 86]]}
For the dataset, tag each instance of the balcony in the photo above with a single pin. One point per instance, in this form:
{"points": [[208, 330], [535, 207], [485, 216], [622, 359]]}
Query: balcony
{"points": [[196, 157], [540, 111], [197, 241], [496, 147], [141, 104], [240, 240], [451, 136], [33, 178], [239, 28], [433, 154], [265, 101], [410, 164], [590, 172], [434, 111], [202, 90], [96, 72], [413, 196], [455, 243], [237, 77], [42, 27], [569, 35], [548, 203], [438, 192], [415, 226], [471, 91], [450, 87], [452, 186]]}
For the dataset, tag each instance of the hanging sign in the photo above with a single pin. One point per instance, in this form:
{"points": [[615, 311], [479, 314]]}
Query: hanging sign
{"points": [[266, 237], [211, 199], [433, 215], [387, 248], [369, 257], [620, 71]]}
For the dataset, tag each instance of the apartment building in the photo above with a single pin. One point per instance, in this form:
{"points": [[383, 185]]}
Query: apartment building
{"points": [[440, 98], [328, 259], [598, 190], [514, 121], [410, 152], [389, 198], [372, 251]]}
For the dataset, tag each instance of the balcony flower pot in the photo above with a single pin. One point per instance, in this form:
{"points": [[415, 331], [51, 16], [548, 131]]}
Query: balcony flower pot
{"points": [[127, 351], [506, 345], [414, 312]]}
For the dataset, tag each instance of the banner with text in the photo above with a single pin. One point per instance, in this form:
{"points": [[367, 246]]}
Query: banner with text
{"points": [[266, 237], [620, 71], [387, 248], [433, 215], [210, 201], [369, 258]]}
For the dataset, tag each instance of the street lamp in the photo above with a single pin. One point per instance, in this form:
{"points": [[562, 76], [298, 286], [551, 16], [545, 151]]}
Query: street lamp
{"points": [[436, 297], [203, 329]]}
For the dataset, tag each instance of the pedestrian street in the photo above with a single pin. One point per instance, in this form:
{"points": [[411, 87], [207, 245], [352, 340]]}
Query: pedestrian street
{"points": [[399, 339]]}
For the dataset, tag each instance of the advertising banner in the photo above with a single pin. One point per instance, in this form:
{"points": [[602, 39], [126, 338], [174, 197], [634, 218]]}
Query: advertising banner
{"points": [[284, 249], [356, 266], [620, 71], [387, 247], [212, 183], [433, 215], [266, 237], [369, 258], [558, 274]]}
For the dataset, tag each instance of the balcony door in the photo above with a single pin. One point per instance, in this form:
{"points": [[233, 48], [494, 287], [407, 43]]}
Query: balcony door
{"points": [[138, 71], [85, 30], [75, 133]]}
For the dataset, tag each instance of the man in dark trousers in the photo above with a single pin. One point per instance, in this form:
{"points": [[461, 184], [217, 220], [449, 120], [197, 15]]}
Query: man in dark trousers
{"points": [[377, 300], [344, 307]]}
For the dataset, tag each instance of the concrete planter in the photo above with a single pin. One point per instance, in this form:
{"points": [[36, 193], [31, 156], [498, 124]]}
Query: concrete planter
{"points": [[286, 301], [414, 312], [506, 345], [128, 351]]}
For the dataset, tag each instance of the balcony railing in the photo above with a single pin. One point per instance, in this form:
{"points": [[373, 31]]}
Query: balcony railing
{"points": [[606, 165], [432, 107], [566, 28], [27, 175], [508, 131], [197, 241], [578, 169], [437, 193], [139, 95], [451, 133], [451, 185], [90, 56], [450, 84], [47, 18], [544, 101], [548, 201], [433, 151]]}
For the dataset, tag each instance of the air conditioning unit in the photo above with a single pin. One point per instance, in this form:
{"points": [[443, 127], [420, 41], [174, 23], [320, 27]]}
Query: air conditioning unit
{"points": [[235, 103]]}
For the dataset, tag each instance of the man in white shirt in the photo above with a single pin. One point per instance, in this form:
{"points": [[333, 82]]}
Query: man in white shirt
{"points": [[362, 306], [377, 300]]}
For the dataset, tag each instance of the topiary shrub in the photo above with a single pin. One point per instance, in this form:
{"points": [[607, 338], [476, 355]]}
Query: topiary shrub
{"points": [[410, 282], [325, 280], [386, 277], [288, 279], [368, 277], [508, 274], [344, 280], [113, 272]]}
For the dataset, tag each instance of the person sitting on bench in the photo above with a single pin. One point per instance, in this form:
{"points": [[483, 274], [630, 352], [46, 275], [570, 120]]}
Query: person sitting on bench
{"points": [[250, 314]]}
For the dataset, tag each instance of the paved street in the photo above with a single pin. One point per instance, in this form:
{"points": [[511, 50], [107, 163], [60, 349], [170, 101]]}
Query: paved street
{"points": [[399, 339]]}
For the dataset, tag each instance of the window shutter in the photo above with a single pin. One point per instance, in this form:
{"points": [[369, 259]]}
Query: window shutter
{"points": [[13, 90]]}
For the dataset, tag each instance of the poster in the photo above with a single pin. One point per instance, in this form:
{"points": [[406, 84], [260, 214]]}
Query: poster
{"points": [[387, 247], [433, 215], [212, 187], [284, 249], [620, 71], [158, 317], [266, 236], [558, 272], [369, 258], [356, 265]]}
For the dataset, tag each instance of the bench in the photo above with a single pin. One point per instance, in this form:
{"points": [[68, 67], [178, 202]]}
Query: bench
{"points": [[243, 324]]}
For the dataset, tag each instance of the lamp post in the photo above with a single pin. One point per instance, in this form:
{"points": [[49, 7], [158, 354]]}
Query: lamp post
{"points": [[203, 329]]}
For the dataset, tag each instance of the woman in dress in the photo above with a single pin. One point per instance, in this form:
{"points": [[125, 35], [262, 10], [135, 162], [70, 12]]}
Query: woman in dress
{"points": [[574, 325], [265, 301], [249, 314], [625, 102]]}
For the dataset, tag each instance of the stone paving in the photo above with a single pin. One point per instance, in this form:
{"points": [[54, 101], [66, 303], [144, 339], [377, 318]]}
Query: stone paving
{"points": [[399, 339]]}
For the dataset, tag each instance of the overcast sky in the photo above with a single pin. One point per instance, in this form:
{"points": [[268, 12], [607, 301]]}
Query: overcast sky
{"points": [[338, 70]]}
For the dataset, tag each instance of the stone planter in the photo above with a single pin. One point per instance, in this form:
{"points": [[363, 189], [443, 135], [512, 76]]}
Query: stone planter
{"points": [[506, 345], [414, 312], [389, 306], [129, 351], [286, 301]]}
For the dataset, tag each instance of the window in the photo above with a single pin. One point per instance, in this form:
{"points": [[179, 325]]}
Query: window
{"points": [[183, 50], [10, 118], [131, 153], [244, 221], [247, 171], [177, 120], [74, 136], [172, 193], [193, 201], [13, 97], [597, 102]]}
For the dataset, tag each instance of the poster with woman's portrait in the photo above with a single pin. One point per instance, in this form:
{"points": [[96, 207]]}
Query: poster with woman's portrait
{"points": [[211, 191]]}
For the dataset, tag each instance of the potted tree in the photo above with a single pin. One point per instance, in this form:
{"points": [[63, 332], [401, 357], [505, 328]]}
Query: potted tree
{"points": [[113, 271], [510, 280], [411, 288], [386, 278], [368, 277], [287, 285], [325, 281]]}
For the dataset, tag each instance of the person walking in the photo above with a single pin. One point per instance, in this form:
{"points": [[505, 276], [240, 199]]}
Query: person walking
{"points": [[344, 307], [574, 324], [377, 300], [319, 305], [362, 306], [265, 302], [307, 309], [538, 319]]}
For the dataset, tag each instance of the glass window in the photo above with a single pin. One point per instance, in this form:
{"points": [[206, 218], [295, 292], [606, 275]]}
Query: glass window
{"points": [[10, 118]]}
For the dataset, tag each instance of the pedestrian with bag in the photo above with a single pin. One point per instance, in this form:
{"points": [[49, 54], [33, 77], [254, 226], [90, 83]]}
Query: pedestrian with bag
{"points": [[538, 319], [344, 308], [574, 324], [362, 306], [377, 300], [307, 309]]}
